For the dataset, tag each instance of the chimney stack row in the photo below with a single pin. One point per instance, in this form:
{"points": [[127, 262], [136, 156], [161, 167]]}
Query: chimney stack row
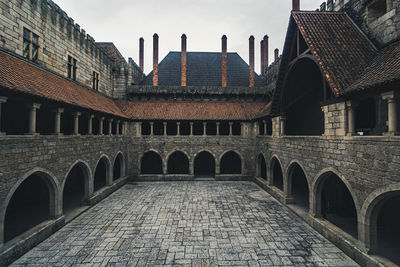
{"points": [[155, 59], [224, 61], [251, 61], [183, 60]]}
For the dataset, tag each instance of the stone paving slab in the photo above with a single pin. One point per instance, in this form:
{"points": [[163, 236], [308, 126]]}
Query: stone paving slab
{"points": [[187, 224]]}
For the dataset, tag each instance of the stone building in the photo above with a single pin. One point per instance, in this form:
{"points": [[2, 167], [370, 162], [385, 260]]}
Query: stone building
{"points": [[318, 129]]}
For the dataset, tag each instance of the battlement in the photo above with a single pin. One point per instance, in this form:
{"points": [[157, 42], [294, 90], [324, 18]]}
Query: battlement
{"points": [[271, 75]]}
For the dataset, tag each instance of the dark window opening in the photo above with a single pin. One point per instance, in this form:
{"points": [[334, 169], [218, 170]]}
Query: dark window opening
{"points": [[300, 190], [95, 81], [204, 165], [146, 128], [158, 128], [365, 117], [262, 167], [211, 128], [95, 126], [72, 67], [100, 175], [118, 165], [15, 117], [45, 120], [337, 205], [83, 124], [28, 207], [106, 127], [172, 128], [114, 125], [178, 163], [151, 163], [269, 126], [224, 128], [231, 163], [237, 129], [185, 128], [74, 189], [30, 48], [277, 176], [198, 128], [261, 128], [376, 9], [67, 122]]}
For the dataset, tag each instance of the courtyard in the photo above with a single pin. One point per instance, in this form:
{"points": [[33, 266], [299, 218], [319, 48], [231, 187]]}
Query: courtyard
{"points": [[200, 223]]}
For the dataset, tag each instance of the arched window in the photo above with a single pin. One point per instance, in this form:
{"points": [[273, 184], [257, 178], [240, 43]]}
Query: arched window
{"points": [[178, 163], [204, 164], [277, 176], [231, 163], [118, 167], [100, 174], [75, 188], [261, 167], [151, 163], [299, 186]]}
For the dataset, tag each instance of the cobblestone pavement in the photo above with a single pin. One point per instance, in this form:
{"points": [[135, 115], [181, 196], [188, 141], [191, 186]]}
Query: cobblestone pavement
{"points": [[187, 224]]}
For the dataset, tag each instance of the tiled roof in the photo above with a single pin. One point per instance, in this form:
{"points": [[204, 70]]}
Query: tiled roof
{"points": [[341, 49], [203, 69], [384, 69], [112, 51], [23, 77], [192, 110]]}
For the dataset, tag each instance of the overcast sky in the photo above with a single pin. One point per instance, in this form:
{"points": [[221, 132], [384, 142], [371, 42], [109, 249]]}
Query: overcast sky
{"points": [[204, 22]]}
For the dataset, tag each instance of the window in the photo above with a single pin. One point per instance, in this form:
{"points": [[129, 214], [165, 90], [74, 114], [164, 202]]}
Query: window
{"points": [[31, 45], [376, 9], [95, 81], [72, 68]]}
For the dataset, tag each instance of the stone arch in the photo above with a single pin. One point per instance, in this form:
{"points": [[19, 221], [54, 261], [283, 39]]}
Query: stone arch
{"points": [[276, 172], [145, 159], [316, 207], [102, 173], [298, 184], [370, 211], [54, 195], [261, 166], [119, 166], [181, 167], [231, 155], [212, 170], [87, 184]]}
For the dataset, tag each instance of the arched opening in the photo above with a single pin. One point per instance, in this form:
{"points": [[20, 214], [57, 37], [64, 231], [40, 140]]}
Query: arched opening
{"points": [[151, 163], [300, 191], [277, 175], [261, 167], [178, 163], [230, 163], [387, 228], [204, 165], [75, 188], [337, 204], [118, 167], [28, 206], [100, 174], [302, 95]]}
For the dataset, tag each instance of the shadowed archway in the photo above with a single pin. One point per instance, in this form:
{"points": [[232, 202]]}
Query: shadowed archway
{"points": [[204, 165], [231, 163], [151, 163], [178, 163]]}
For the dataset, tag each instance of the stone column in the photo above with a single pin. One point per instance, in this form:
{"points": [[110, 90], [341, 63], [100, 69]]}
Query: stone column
{"points": [[178, 128], [283, 123], [101, 121], [218, 123], [151, 128], [204, 128], [2, 100], [230, 128], [139, 129], [191, 129], [110, 126], [265, 127], [165, 128], [57, 120], [32, 118], [76, 123], [90, 124], [117, 127], [351, 127], [392, 112]]}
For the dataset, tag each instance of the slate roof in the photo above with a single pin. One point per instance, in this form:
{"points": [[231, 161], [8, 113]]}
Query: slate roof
{"points": [[112, 51], [22, 77], [160, 110], [203, 69]]}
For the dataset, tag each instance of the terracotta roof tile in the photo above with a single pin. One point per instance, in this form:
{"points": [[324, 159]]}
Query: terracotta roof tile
{"points": [[21, 76], [192, 110]]}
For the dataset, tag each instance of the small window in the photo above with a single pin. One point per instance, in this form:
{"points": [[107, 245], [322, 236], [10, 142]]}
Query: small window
{"points": [[30, 47], [95, 81], [72, 68], [376, 9]]}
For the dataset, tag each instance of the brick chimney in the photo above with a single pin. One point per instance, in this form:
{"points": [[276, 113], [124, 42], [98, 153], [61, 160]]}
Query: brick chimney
{"points": [[155, 59], [141, 54], [295, 5], [251, 61], [265, 59], [276, 54], [183, 60], [262, 57], [224, 61]]}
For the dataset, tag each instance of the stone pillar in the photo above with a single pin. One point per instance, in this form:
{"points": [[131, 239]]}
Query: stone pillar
{"points": [[265, 127], [90, 124], [218, 123], [110, 126], [57, 120], [2, 100], [101, 121], [351, 127], [230, 128], [392, 112], [32, 118], [204, 128], [283, 125], [178, 128], [76, 123], [151, 128], [191, 129], [117, 130], [165, 128]]}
